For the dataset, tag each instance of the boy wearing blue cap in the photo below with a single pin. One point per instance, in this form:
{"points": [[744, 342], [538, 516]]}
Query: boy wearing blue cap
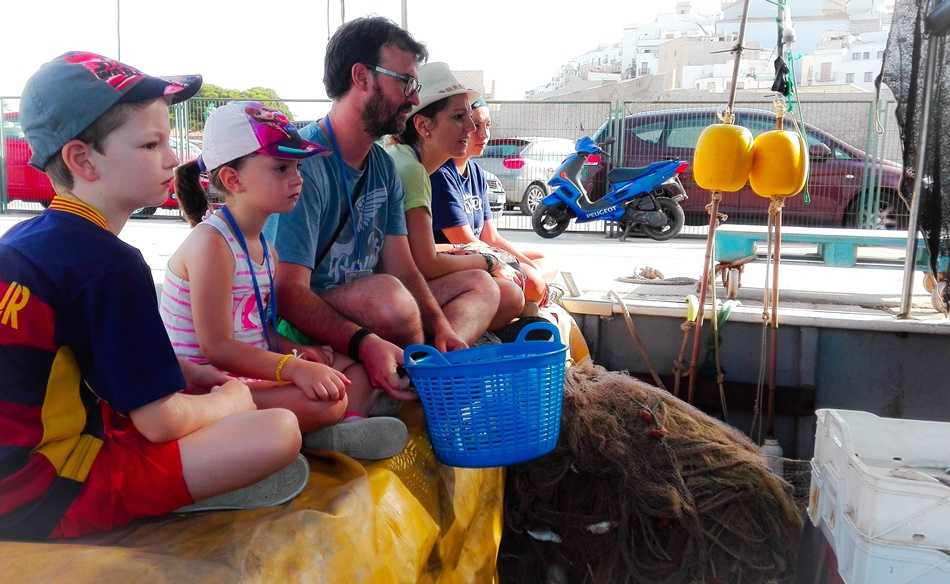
{"points": [[95, 430]]}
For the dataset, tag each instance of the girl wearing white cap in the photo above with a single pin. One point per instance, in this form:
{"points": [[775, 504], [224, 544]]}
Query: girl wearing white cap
{"points": [[438, 129], [218, 302]]}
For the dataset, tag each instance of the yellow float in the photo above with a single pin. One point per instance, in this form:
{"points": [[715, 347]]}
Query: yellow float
{"points": [[723, 158], [779, 164]]}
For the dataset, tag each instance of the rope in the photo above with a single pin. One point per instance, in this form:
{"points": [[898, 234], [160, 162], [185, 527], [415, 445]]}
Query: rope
{"points": [[636, 339], [775, 208], [650, 275], [715, 335], [679, 364]]}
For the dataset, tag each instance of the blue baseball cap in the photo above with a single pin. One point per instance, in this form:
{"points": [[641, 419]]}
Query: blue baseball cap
{"points": [[68, 94]]}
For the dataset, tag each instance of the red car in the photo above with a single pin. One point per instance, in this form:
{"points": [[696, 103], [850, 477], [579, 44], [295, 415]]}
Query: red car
{"points": [[838, 173], [25, 183]]}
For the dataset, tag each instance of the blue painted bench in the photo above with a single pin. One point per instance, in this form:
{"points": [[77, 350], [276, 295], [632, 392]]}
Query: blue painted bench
{"points": [[836, 247]]}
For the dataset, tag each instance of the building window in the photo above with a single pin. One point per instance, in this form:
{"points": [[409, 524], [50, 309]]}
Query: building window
{"points": [[880, 54], [855, 56], [645, 68], [867, 54], [849, 78], [868, 77]]}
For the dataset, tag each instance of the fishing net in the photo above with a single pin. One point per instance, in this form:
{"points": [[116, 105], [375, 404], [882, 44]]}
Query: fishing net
{"points": [[643, 487], [903, 72]]}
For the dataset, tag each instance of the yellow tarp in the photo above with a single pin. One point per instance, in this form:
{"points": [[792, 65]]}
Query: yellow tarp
{"points": [[406, 519]]}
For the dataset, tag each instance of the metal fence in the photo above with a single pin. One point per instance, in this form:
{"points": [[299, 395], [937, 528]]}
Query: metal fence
{"points": [[865, 125]]}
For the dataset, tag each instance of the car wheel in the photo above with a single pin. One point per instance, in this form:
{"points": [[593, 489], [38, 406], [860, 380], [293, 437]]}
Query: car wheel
{"points": [[145, 211], [532, 198], [891, 214]]}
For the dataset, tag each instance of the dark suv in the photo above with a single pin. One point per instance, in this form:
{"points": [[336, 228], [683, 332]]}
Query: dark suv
{"points": [[838, 172]]}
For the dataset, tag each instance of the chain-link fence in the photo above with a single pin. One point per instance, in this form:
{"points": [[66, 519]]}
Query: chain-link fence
{"points": [[846, 187]]}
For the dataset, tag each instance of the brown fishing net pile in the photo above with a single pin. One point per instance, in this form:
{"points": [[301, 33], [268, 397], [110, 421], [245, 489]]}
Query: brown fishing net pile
{"points": [[671, 495]]}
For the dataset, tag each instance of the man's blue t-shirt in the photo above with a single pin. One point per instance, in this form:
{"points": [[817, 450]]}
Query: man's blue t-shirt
{"points": [[458, 200], [307, 231]]}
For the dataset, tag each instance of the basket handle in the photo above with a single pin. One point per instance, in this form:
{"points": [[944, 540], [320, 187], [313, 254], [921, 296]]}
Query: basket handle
{"points": [[535, 326], [430, 352]]}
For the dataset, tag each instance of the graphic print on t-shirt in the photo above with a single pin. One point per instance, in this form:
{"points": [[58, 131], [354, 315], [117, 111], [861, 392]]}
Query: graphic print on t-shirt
{"points": [[344, 253]]}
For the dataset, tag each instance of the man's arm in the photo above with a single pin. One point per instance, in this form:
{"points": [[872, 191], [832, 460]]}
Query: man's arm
{"points": [[317, 319], [397, 261]]}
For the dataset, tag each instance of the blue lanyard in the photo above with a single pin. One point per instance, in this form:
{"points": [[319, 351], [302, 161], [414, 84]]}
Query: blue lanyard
{"points": [[257, 290], [357, 236]]}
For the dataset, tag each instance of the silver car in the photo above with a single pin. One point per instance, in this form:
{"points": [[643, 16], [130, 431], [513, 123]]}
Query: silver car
{"points": [[496, 195], [524, 166]]}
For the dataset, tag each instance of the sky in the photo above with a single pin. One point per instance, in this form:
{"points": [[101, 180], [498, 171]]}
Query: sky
{"points": [[520, 44]]}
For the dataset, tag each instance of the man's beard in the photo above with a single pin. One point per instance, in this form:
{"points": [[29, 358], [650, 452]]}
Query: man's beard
{"points": [[380, 119]]}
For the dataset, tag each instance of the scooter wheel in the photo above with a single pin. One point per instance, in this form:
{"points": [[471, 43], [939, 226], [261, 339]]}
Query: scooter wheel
{"points": [[675, 218], [549, 222]]}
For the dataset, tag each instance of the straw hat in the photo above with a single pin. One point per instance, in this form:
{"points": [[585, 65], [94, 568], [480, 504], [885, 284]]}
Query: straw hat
{"points": [[438, 83]]}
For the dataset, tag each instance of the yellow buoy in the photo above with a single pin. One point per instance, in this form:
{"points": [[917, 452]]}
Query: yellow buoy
{"points": [[723, 158], [779, 164]]}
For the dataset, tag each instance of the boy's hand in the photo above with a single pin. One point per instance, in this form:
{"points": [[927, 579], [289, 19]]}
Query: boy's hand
{"points": [[318, 381], [237, 394], [199, 378]]}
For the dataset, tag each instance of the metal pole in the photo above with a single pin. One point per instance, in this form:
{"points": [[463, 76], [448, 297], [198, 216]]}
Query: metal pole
{"points": [[910, 261], [118, 29], [773, 326], [739, 49], [405, 15], [714, 218]]}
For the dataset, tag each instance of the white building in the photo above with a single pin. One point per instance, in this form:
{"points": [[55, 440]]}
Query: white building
{"points": [[826, 42]]}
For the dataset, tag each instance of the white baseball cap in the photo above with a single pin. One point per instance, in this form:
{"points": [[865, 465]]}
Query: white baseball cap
{"points": [[245, 127]]}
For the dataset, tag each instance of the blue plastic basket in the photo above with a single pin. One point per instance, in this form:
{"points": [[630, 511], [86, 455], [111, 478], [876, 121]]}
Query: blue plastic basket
{"points": [[494, 405]]}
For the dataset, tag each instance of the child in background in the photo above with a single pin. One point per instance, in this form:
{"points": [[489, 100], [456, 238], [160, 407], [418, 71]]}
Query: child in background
{"points": [[218, 302], [96, 431]]}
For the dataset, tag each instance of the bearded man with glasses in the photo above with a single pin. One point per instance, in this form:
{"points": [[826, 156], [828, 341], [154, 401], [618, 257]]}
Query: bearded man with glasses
{"points": [[347, 277]]}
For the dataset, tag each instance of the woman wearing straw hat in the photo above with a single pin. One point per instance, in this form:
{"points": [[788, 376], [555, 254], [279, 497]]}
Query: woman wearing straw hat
{"points": [[438, 129]]}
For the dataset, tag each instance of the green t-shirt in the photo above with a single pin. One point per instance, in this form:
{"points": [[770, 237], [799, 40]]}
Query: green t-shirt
{"points": [[415, 180]]}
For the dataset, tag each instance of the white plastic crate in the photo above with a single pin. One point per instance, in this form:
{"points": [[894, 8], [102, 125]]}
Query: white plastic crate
{"points": [[852, 485], [864, 561]]}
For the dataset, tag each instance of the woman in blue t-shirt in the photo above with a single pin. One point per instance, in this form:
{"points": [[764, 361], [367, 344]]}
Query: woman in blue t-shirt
{"points": [[461, 214]]}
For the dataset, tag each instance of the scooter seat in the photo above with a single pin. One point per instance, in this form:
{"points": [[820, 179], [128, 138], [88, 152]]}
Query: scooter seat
{"points": [[623, 174]]}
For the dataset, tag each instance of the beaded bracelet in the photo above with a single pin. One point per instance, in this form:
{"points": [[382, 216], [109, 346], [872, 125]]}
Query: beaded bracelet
{"points": [[280, 365]]}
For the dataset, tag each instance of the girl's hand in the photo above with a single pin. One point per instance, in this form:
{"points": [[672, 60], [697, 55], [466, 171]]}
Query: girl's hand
{"points": [[318, 381], [317, 354]]}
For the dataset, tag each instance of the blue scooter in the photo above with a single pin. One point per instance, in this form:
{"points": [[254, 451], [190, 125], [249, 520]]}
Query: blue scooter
{"points": [[640, 199]]}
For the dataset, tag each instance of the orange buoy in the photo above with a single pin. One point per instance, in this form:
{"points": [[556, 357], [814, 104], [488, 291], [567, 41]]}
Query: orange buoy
{"points": [[779, 164], [723, 158]]}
